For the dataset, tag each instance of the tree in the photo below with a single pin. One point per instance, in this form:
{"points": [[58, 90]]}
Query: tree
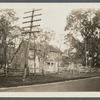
{"points": [[87, 23], [76, 49], [7, 27]]}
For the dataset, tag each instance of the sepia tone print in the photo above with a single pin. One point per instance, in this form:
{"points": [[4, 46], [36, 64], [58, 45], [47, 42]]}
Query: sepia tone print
{"points": [[47, 47]]}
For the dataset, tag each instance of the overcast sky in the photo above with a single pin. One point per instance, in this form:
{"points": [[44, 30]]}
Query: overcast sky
{"points": [[53, 14]]}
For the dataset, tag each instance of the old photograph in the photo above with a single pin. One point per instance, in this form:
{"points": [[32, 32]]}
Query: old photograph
{"points": [[49, 47]]}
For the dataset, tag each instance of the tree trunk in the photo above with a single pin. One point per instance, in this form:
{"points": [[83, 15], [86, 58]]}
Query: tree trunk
{"points": [[5, 50]]}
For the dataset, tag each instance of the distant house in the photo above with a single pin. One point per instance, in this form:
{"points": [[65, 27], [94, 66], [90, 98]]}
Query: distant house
{"points": [[44, 64], [37, 63]]}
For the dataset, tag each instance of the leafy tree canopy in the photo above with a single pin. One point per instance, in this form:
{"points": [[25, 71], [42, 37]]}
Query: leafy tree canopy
{"points": [[87, 23]]}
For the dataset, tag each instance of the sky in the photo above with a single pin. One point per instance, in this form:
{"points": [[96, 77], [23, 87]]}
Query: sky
{"points": [[53, 14]]}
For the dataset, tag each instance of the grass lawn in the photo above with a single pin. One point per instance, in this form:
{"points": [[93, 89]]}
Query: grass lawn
{"points": [[40, 79]]}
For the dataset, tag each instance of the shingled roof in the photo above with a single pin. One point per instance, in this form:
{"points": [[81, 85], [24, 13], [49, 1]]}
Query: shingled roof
{"points": [[49, 48]]}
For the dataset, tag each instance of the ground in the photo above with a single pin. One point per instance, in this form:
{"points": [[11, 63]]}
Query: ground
{"points": [[41, 79]]}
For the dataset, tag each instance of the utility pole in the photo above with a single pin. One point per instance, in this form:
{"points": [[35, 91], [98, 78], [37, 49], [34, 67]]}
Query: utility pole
{"points": [[59, 53], [86, 52], [30, 30]]}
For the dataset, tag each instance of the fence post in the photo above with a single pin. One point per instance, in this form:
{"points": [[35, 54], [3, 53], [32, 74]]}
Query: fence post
{"points": [[25, 71], [6, 70]]}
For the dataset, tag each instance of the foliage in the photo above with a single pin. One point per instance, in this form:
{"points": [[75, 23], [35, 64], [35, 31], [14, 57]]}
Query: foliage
{"points": [[75, 51], [7, 29], [86, 22], [43, 38]]}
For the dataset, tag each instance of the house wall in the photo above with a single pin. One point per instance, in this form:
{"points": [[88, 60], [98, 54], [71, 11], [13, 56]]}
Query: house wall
{"points": [[53, 55], [19, 59], [32, 68], [49, 66], [52, 62]]}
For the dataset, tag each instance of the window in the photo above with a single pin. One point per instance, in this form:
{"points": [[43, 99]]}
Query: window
{"points": [[48, 64]]}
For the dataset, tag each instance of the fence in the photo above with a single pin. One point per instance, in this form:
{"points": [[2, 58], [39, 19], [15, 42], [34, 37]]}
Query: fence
{"points": [[11, 72]]}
